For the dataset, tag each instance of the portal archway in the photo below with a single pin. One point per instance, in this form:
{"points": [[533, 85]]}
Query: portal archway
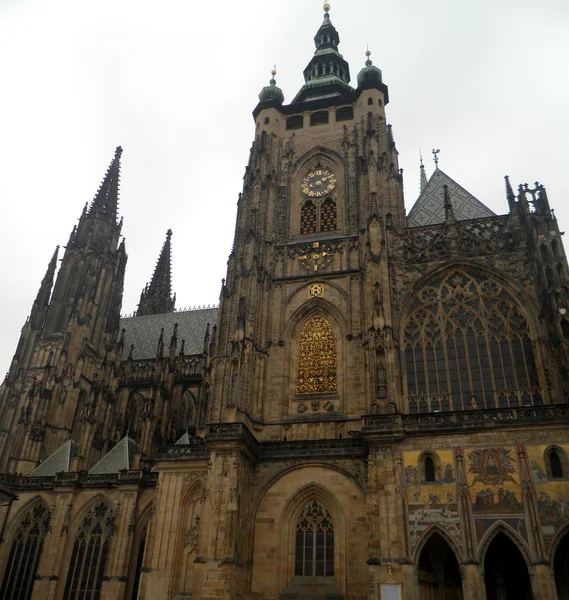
{"points": [[505, 571], [561, 568], [438, 571]]}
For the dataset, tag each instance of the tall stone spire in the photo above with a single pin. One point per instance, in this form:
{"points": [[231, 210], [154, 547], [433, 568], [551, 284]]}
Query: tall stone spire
{"points": [[105, 202], [41, 304], [156, 298], [327, 71]]}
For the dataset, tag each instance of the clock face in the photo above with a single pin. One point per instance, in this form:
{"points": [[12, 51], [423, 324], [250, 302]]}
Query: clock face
{"points": [[318, 183]]}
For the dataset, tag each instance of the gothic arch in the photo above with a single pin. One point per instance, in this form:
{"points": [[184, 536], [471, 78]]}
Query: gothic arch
{"points": [[287, 528], [308, 309], [301, 292], [21, 556], [138, 551], [501, 527], [468, 342], [83, 510], [22, 511], [302, 162], [557, 540], [275, 509], [427, 534]]}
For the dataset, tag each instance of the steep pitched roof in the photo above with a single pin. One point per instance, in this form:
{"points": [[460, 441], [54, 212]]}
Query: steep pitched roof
{"points": [[430, 208], [58, 462], [144, 332], [119, 458]]}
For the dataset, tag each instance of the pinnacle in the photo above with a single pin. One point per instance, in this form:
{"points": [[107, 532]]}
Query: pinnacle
{"points": [[105, 202]]}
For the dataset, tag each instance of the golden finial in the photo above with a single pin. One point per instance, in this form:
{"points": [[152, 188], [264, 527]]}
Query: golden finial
{"points": [[274, 71], [326, 7], [368, 52]]}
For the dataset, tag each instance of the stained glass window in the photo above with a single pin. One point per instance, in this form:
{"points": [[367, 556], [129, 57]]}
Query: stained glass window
{"points": [[314, 547], [89, 556], [25, 554], [316, 357], [467, 345]]}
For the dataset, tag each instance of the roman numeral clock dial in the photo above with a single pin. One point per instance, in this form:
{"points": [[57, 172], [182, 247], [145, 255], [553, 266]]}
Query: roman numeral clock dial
{"points": [[318, 183]]}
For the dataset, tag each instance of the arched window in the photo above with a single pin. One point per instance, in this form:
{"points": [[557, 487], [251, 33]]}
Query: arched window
{"points": [[314, 547], [140, 556], [308, 217], [429, 469], [370, 101], [467, 346], [25, 554], [555, 464], [328, 221], [316, 357], [89, 556]]}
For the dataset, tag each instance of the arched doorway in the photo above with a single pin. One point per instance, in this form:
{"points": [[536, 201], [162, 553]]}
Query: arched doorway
{"points": [[505, 571], [561, 568], [438, 571]]}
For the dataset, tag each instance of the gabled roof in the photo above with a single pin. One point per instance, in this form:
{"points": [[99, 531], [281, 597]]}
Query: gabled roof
{"points": [[144, 332], [58, 462], [430, 207], [119, 458]]}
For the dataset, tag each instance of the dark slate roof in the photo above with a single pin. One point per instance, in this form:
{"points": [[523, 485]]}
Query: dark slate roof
{"points": [[119, 458], [144, 332], [430, 206], [58, 462]]}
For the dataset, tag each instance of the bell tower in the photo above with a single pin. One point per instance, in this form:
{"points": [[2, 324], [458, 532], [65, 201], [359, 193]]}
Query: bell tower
{"points": [[304, 333]]}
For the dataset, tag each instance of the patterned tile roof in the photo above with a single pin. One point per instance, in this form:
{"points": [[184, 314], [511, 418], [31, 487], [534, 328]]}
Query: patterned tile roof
{"points": [[430, 209], [144, 332], [58, 462]]}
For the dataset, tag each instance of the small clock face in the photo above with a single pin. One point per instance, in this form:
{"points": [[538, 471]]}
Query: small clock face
{"points": [[318, 183]]}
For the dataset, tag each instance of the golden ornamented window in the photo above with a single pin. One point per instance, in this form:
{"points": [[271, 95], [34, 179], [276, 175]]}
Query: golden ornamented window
{"points": [[90, 552], [467, 346], [316, 357], [25, 554], [314, 547], [328, 217], [308, 217]]}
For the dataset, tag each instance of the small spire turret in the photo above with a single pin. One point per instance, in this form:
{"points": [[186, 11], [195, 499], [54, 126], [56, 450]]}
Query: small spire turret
{"points": [[156, 298], [422, 173], [40, 306], [271, 93]]}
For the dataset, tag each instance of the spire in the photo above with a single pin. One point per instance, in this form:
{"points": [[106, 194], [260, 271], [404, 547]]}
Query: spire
{"points": [[327, 72], [41, 303], [422, 173], [105, 202], [156, 298]]}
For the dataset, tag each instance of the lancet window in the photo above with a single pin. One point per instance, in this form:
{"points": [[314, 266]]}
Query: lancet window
{"points": [[25, 553], [316, 357], [467, 345], [308, 217], [328, 215], [314, 547], [90, 552]]}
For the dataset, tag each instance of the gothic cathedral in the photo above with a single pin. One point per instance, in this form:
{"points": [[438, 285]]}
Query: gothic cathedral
{"points": [[378, 408]]}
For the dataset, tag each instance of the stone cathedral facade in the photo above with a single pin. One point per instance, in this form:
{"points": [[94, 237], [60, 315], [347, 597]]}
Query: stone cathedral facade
{"points": [[378, 408]]}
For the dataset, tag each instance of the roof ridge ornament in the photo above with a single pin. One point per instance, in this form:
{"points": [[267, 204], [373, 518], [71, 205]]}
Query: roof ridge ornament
{"points": [[436, 157]]}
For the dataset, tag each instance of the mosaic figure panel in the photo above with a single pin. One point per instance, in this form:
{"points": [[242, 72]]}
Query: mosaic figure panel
{"points": [[552, 495], [494, 481], [431, 503]]}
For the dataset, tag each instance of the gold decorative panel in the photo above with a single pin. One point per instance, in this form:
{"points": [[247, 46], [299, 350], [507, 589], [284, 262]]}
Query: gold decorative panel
{"points": [[316, 290], [316, 357]]}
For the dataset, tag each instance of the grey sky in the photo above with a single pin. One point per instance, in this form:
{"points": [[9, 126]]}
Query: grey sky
{"points": [[175, 82]]}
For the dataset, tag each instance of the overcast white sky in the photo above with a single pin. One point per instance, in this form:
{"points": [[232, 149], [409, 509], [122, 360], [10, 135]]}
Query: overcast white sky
{"points": [[174, 82]]}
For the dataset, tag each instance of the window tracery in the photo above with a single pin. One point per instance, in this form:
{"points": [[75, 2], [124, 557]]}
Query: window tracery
{"points": [[89, 556], [25, 552], [467, 346], [316, 357], [314, 547]]}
